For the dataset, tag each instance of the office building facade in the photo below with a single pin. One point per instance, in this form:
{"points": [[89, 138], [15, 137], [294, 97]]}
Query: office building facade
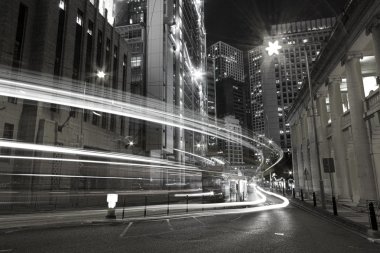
{"points": [[167, 42], [275, 80], [66, 43]]}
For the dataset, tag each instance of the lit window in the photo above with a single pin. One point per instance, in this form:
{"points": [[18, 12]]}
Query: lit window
{"points": [[79, 19], [62, 4]]}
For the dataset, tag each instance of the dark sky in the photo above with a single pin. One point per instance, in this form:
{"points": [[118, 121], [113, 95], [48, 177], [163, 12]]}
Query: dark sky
{"points": [[242, 23]]}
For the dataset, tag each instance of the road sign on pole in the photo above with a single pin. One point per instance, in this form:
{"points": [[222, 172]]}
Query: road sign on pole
{"points": [[328, 165]]}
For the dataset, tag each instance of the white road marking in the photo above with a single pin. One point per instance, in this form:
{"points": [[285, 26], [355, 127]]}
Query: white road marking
{"points": [[199, 221], [126, 229], [237, 218], [279, 234]]}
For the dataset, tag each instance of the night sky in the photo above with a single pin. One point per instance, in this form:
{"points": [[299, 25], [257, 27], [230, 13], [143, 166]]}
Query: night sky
{"points": [[243, 23]]}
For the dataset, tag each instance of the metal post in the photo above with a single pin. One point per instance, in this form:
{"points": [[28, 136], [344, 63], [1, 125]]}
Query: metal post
{"points": [[302, 195], [321, 184], [334, 206], [167, 210], [294, 193], [187, 203], [122, 215], [146, 202], [314, 200], [372, 216], [283, 188]]}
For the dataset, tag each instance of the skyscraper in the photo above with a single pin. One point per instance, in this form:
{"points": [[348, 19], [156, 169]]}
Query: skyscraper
{"points": [[167, 39], [229, 61], [275, 80]]}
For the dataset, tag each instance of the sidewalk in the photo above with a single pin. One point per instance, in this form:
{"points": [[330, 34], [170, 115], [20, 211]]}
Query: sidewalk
{"points": [[351, 217]]}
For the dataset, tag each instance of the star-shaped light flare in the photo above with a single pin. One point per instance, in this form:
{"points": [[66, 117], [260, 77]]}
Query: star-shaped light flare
{"points": [[273, 48]]}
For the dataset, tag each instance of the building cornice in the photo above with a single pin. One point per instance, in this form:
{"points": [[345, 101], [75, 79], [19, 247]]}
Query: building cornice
{"points": [[357, 17]]}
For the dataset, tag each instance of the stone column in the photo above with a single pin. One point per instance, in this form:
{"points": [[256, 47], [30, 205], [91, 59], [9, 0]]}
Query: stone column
{"points": [[358, 127], [305, 155], [375, 30], [337, 138], [295, 148], [313, 162], [322, 122], [300, 178]]}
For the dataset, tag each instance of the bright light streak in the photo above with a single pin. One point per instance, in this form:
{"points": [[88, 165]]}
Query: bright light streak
{"points": [[96, 113], [96, 162], [195, 155], [143, 108], [195, 194], [72, 176], [72, 151]]}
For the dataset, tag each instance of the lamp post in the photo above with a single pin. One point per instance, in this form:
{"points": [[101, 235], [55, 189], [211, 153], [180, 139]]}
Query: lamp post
{"points": [[321, 184]]}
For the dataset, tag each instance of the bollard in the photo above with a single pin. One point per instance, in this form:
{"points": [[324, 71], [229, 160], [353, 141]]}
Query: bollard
{"points": [[302, 195], [372, 216], [243, 197], [187, 203], [283, 191], [122, 215], [334, 206], [294, 193], [314, 200], [230, 196], [167, 210], [146, 201]]}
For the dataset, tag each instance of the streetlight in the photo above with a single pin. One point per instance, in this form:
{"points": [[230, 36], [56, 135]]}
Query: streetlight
{"points": [[273, 49], [100, 74]]}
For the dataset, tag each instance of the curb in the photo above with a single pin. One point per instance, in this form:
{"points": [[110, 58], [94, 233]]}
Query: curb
{"points": [[363, 231]]}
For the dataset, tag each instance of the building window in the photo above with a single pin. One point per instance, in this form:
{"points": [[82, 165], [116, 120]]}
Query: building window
{"points": [[12, 100], [113, 123], [122, 126], [136, 61], [78, 45], [115, 67], [124, 87], [60, 35], [20, 36], [90, 41], [99, 49], [7, 134], [104, 120]]}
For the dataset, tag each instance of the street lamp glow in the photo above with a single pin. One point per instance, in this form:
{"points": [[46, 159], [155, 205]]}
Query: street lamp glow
{"points": [[101, 74], [197, 74], [273, 48], [131, 143]]}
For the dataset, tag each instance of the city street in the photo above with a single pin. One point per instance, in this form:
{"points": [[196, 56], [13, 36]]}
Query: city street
{"points": [[284, 230]]}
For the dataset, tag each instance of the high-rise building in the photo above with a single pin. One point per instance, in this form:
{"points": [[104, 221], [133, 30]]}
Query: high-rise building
{"points": [[230, 100], [167, 41], [67, 46], [233, 151], [275, 80], [229, 61]]}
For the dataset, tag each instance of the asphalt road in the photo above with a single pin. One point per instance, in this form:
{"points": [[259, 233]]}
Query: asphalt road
{"points": [[284, 230]]}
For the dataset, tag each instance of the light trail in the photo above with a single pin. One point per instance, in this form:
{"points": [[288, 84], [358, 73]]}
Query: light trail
{"points": [[134, 109], [142, 108], [96, 162], [72, 151]]}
